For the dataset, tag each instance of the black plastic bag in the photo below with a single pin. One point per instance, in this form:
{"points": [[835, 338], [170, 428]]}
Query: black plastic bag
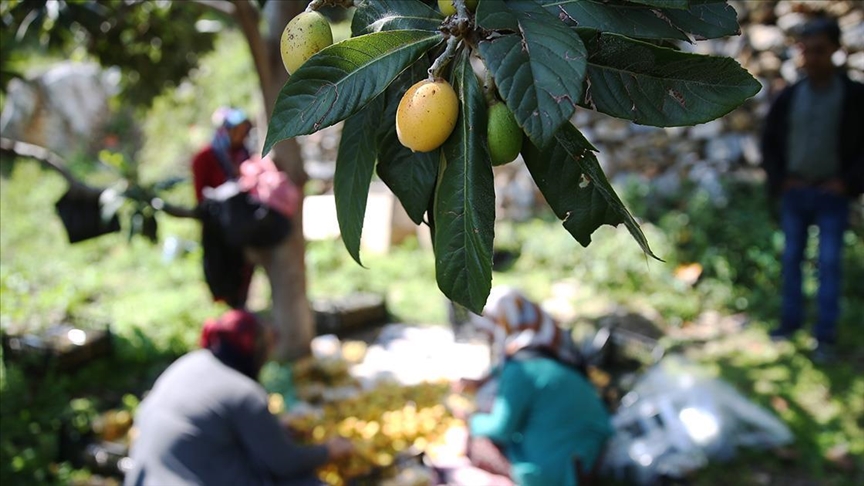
{"points": [[82, 217], [245, 221], [226, 270]]}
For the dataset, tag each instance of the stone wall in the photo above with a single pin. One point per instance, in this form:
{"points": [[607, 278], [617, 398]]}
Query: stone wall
{"points": [[726, 147]]}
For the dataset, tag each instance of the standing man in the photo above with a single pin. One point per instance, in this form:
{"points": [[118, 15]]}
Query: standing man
{"points": [[813, 154]]}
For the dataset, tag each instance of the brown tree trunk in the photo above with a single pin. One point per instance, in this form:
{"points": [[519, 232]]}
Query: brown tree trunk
{"points": [[285, 265]]}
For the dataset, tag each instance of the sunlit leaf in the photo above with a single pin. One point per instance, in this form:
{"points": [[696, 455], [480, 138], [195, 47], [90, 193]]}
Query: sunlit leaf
{"points": [[539, 70], [651, 85], [355, 163], [620, 18], [706, 19], [378, 15], [570, 177], [336, 82], [679, 4], [465, 200]]}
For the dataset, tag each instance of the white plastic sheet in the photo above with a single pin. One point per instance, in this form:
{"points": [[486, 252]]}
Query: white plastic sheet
{"points": [[677, 418]]}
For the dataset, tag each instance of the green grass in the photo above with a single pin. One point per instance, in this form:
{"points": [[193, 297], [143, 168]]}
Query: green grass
{"points": [[155, 310]]}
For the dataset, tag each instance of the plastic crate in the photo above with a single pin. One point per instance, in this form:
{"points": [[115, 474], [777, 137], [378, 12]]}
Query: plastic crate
{"points": [[349, 313], [65, 347]]}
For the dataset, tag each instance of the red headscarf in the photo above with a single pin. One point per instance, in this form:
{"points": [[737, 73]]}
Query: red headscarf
{"points": [[237, 328]]}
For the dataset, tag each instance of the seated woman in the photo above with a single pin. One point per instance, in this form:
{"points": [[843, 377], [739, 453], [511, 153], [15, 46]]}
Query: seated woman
{"points": [[206, 419], [546, 417]]}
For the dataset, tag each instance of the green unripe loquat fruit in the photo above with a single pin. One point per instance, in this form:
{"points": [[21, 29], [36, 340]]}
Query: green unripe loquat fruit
{"points": [[448, 8], [504, 134]]}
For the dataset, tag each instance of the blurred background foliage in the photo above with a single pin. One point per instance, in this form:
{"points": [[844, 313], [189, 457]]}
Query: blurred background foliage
{"points": [[156, 53], [154, 306]]}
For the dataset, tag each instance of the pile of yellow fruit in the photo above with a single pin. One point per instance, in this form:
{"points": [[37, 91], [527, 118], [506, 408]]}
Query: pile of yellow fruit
{"points": [[113, 425], [384, 423]]}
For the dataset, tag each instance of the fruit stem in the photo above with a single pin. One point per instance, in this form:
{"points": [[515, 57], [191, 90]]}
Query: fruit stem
{"points": [[455, 28], [461, 22], [489, 87], [461, 9], [445, 57]]}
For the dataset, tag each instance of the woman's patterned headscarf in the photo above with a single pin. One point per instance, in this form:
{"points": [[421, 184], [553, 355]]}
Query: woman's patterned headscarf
{"points": [[229, 159], [515, 323]]}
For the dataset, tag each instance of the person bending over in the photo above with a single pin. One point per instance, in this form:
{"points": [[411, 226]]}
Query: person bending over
{"points": [[206, 420], [546, 417]]}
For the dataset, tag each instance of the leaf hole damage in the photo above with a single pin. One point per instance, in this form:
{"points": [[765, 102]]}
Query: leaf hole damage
{"points": [[588, 100], [565, 97], [320, 122], [677, 96], [566, 17]]}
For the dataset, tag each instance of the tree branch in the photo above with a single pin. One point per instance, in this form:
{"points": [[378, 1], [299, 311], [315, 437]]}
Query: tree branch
{"points": [[159, 204], [56, 163], [48, 159], [248, 18], [221, 6]]}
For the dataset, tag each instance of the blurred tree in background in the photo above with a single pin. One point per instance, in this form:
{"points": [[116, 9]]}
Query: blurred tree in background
{"points": [[156, 53], [155, 45]]}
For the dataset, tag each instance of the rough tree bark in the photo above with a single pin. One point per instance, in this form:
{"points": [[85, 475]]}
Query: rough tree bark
{"points": [[285, 265]]}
